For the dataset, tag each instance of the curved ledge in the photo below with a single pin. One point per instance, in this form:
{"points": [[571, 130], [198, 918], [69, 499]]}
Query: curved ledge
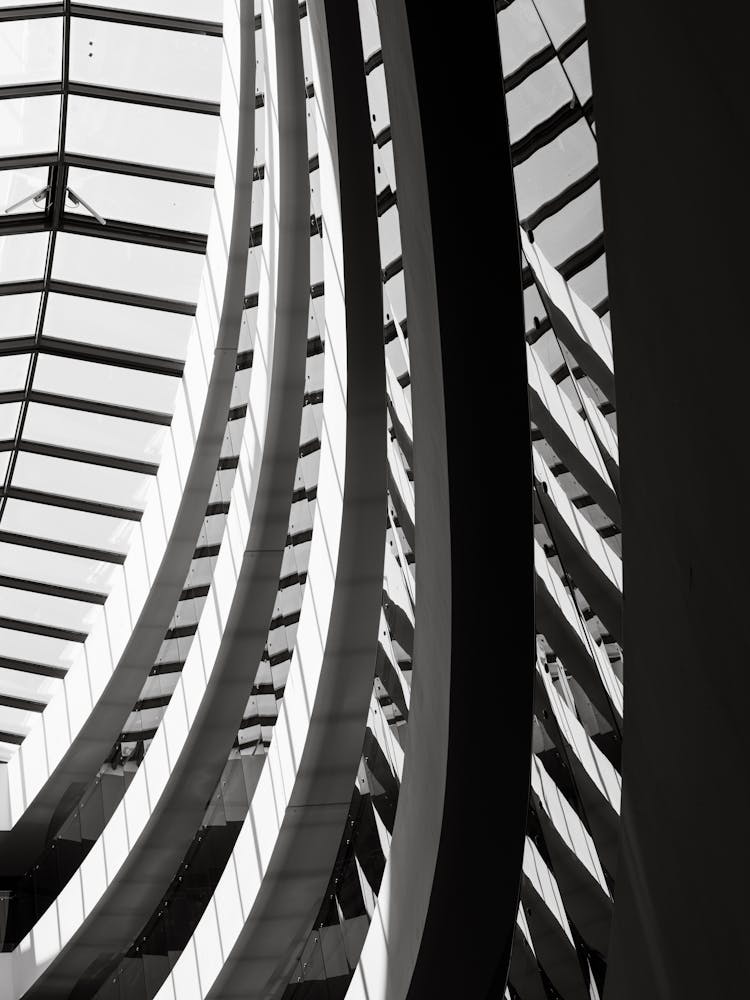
{"points": [[281, 863]]}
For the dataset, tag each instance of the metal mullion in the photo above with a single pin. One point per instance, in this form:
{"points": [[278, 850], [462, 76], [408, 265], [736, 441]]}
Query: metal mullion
{"points": [[78, 351], [134, 232], [147, 171], [122, 297], [16, 345], [53, 590], [99, 507], [62, 548], [21, 287], [27, 161], [167, 102], [24, 222], [145, 20], [87, 457], [29, 667], [122, 231], [22, 704], [29, 11], [44, 88], [131, 169], [50, 631], [102, 409]]}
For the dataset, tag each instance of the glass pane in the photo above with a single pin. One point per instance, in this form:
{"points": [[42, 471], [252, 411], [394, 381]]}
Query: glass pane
{"points": [[541, 94], [106, 383], [38, 648], [29, 125], [174, 63], [22, 256], [43, 609], [18, 184], [56, 568], [18, 684], [93, 432], [18, 315], [78, 479], [128, 328], [73, 526], [13, 370], [554, 167], [16, 720], [141, 134], [138, 199], [8, 420], [128, 267], [30, 51]]}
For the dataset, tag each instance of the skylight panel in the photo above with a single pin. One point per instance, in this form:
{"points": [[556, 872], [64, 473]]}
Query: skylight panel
{"points": [[112, 324], [129, 267], [142, 200], [43, 649], [107, 383], [29, 125], [13, 371], [94, 432], [36, 687], [18, 315], [22, 256], [47, 610], [94, 483], [8, 420], [73, 527], [140, 134], [132, 57], [30, 51]]}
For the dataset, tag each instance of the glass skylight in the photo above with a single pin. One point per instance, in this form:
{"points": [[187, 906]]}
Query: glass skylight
{"points": [[108, 132]]}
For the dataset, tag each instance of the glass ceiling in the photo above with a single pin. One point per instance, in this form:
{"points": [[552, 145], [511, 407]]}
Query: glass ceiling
{"points": [[108, 131]]}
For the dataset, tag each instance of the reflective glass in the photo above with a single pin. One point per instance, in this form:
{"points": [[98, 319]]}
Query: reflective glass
{"points": [[30, 51], [141, 134], [29, 125], [174, 63]]}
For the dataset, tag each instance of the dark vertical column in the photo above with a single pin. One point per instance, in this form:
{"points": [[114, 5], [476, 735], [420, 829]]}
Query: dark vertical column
{"points": [[456, 857], [670, 97]]}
